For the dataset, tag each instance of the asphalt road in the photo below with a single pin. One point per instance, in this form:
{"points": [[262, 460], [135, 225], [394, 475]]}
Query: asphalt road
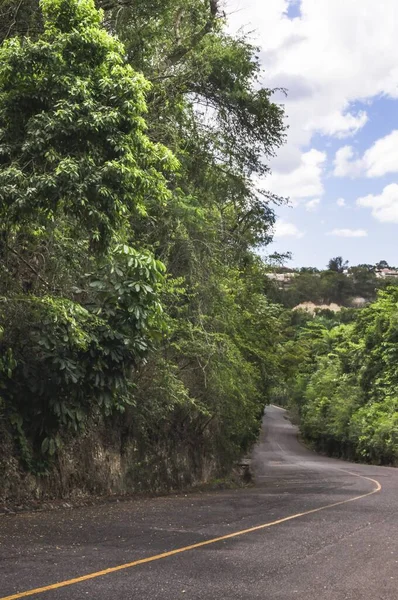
{"points": [[319, 529]]}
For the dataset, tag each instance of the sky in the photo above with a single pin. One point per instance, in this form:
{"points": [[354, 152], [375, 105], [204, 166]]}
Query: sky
{"points": [[338, 60]]}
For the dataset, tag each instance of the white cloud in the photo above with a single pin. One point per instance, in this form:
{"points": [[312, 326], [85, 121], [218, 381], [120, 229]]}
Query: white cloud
{"points": [[312, 205], [303, 182], [339, 124], [381, 158], [349, 233], [284, 229], [340, 202], [327, 61], [384, 206], [344, 163]]}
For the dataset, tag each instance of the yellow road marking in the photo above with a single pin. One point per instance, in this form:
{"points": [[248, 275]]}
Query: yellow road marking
{"points": [[142, 561]]}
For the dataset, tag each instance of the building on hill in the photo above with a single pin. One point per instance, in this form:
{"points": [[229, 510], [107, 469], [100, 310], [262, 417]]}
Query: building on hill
{"points": [[282, 279], [313, 308], [385, 273]]}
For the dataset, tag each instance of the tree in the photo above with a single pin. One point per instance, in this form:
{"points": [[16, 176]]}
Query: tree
{"points": [[364, 280], [81, 306], [19, 18], [336, 287], [382, 264], [337, 264], [311, 270], [73, 137], [208, 376], [365, 266], [206, 233], [344, 381]]}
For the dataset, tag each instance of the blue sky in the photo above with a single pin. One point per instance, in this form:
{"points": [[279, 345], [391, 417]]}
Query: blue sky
{"points": [[339, 61]]}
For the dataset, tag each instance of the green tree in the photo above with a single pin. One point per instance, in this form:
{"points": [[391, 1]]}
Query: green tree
{"points": [[76, 169], [336, 287], [337, 264], [382, 264], [364, 280], [19, 18], [344, 382], [73, 137], [206, 233], [205, 382]]}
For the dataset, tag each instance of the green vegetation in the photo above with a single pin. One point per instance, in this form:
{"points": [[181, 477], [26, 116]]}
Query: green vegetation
{"points": [[132, 296], [342, 378], [131, 291]]}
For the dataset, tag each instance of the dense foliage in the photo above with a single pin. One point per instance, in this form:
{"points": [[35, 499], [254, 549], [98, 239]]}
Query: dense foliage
{"points": [[132, 296], [342, 377], [129, 221]]}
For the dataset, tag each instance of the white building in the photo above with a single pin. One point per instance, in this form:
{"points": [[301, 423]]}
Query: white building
{"points": [[384, 273]]}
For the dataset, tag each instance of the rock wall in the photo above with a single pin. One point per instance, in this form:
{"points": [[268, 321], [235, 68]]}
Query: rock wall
{"points": [[102, 462]]}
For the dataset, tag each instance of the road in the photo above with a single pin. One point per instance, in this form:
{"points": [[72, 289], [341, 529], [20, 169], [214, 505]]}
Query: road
{"points": [[311, 528]]}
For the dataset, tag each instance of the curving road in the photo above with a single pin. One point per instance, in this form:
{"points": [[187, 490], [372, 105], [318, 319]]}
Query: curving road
{"points": [[312, 528]]}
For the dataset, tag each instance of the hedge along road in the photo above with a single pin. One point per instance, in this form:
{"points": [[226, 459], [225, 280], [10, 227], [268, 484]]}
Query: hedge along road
{"points": [[311, 528]]}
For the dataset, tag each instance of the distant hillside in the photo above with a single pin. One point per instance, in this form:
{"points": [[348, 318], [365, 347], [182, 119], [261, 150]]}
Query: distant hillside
{"points": [[338, 284]]}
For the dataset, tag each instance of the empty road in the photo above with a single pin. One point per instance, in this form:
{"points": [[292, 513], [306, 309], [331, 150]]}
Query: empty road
{"points": [[311, 528]]}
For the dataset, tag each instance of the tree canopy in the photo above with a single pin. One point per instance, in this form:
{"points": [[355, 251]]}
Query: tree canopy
{"points": [[342, 380], [130, 134]]}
